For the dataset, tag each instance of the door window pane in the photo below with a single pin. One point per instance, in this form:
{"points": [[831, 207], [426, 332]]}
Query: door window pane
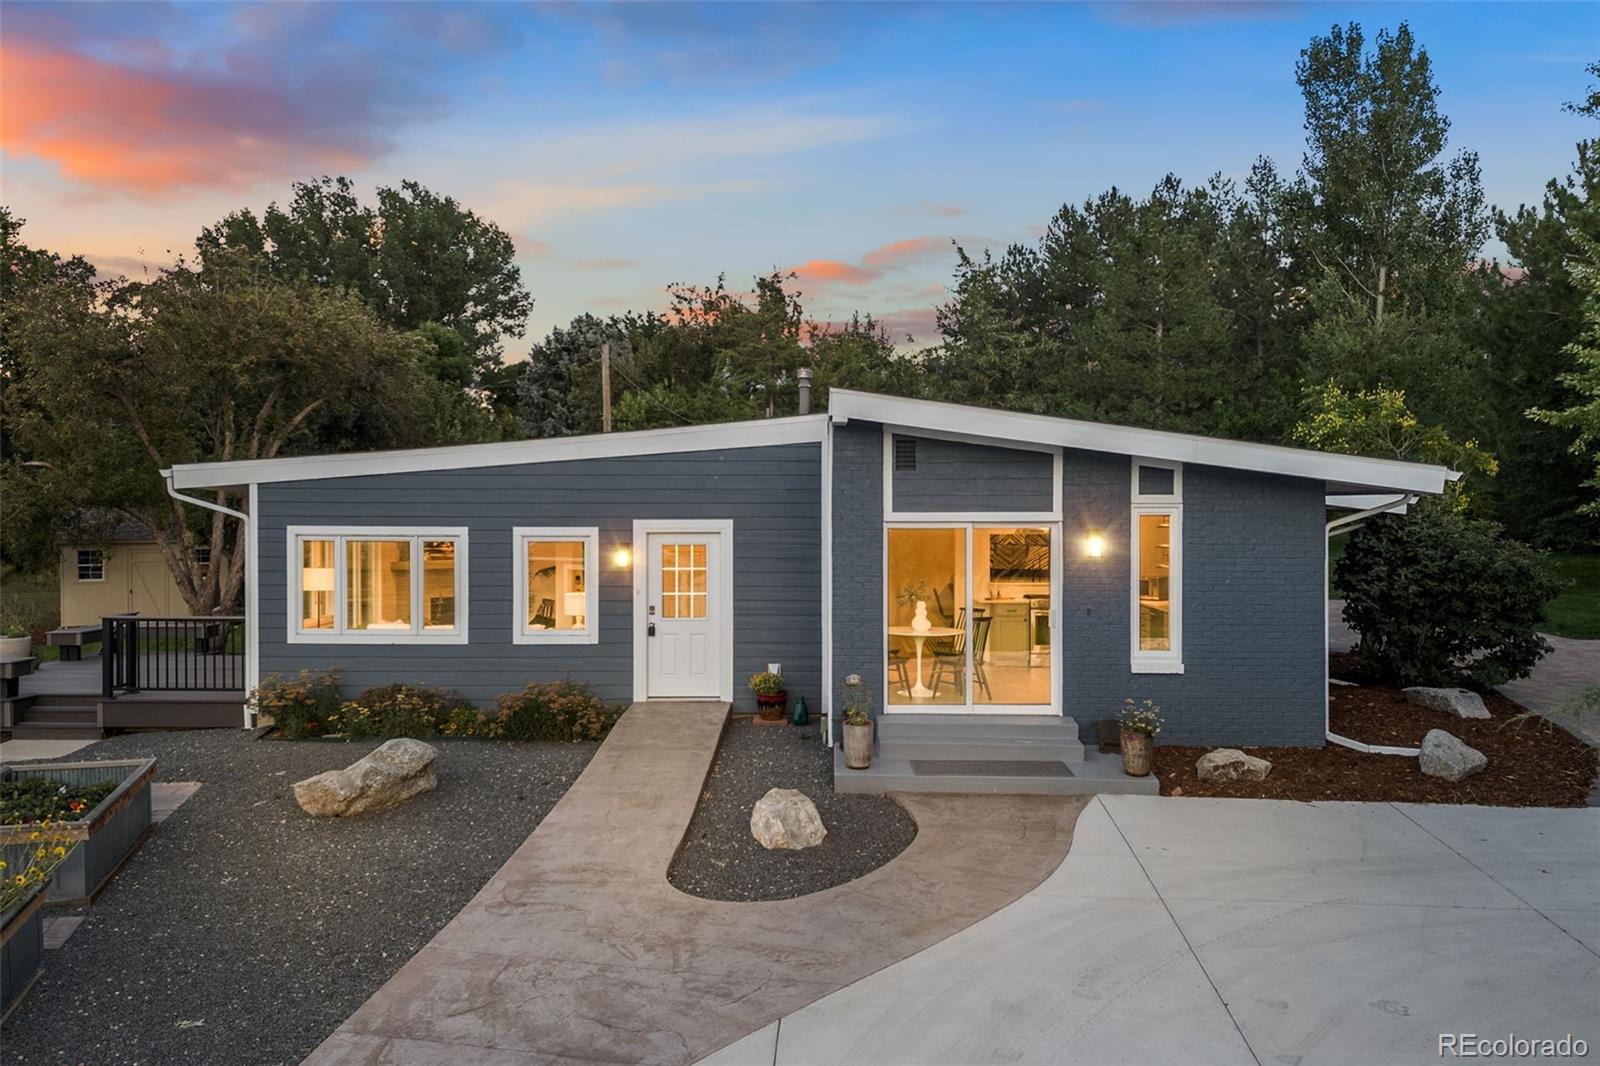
{"points": [[316, 584], [557, 583], [1155, 582], [1010, 624], [378, 584], [683, 581], [927, 584]]}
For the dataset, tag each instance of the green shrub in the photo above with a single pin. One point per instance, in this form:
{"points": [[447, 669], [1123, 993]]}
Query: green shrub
{"points": [[1439, 598], [553, 710], [301, 706], [399, 710]]}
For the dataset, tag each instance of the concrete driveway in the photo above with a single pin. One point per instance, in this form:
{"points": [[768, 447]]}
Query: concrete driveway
{"points": [[1247, 931]]}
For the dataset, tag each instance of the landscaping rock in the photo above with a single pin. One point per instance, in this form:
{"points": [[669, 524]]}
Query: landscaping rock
{"points": [[1231, 764], [786, 818], [1463, 703], [388, 776], [1447, 757]]}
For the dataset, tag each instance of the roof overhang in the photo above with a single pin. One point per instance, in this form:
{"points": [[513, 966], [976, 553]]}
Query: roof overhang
{"points": [[802, 429], [1342, 474]]}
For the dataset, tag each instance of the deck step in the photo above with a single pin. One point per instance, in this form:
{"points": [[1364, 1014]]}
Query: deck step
{"points": [[1096, 774], [56, 731], [44, 714]]}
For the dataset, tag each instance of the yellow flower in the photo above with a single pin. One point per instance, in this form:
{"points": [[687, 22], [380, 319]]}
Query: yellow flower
{"points": [[34, 835], [60, 851]]}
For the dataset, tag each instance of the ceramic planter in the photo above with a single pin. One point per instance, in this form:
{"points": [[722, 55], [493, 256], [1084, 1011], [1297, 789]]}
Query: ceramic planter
{"points": [[14, 648], [773, 706], [21, 948], [1138, 753], [858, 746]]}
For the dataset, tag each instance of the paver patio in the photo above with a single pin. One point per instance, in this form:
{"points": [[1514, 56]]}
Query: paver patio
{"points": [[578, 950]]}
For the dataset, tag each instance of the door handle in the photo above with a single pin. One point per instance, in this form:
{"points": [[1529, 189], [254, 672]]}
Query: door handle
{"points": [[650, 629]]}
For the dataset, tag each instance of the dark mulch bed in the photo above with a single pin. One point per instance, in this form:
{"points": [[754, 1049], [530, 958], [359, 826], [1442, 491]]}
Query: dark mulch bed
{"points": [[245, 931], [721, 860], [1532, 763]]}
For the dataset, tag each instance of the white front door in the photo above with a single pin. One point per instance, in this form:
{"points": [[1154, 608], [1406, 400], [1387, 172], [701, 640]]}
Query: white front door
{"points": [[684, 602]]}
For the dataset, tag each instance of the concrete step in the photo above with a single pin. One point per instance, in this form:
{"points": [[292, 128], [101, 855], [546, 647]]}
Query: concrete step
{"points": [[985, 726], [916, 747], [1097, 774]]}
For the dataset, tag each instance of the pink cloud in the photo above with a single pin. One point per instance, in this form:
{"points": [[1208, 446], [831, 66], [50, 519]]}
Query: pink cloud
{"points": [[903, 253], [943, 210], [602, 262], [919, 323], [829, 271]]}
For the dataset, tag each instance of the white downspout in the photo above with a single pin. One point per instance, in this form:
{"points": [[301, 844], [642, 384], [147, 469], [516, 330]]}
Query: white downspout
{"points": [[250, 637], [1339, 525]]}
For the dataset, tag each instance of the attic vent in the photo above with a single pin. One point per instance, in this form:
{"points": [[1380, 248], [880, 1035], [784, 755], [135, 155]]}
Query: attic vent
{"points": [[905, 453]]}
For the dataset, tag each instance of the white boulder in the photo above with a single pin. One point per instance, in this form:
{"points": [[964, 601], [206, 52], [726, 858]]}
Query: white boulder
{"points": [[1447, 757], [1231, 764], [1461, 702], [786, 818], [389, 775]]}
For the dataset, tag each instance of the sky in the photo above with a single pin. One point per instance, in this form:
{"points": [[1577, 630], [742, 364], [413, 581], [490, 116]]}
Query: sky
{"points": [[629, 147]]}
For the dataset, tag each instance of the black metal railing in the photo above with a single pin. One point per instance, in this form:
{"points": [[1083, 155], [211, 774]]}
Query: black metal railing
{"points": [[142, 654]]}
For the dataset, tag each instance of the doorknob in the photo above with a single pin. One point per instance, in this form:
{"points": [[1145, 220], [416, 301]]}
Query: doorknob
{"points": [[650, 629]]}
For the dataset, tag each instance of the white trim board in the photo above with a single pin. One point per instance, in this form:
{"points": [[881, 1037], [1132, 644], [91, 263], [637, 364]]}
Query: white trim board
{"points": [[642, 527], [1011, 429], [589, 537], [342, 535], [803, 429]]}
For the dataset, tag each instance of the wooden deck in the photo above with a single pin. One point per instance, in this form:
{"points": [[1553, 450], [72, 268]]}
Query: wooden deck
{"points": [[64, 699]]}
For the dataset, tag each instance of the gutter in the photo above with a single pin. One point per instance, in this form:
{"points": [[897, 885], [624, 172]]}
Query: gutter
{"points": [[1339, 525], [252, 651]]}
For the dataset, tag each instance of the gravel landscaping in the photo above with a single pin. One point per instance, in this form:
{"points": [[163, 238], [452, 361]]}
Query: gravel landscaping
{"points": [[245, 931], [719, 858], [1532, 763]]}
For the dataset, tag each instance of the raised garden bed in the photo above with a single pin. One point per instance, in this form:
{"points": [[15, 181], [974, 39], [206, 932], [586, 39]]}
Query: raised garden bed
{"points": [[719, 859], [107, 833], [1532, 763]]}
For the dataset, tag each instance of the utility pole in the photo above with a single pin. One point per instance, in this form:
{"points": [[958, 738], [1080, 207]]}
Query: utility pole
{"points": [[605, 387]]}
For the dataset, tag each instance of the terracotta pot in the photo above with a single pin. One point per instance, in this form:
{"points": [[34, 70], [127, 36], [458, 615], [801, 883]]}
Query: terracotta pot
{"points": [[1138, 753], [773, 706], [13, 648], [858, 746]]}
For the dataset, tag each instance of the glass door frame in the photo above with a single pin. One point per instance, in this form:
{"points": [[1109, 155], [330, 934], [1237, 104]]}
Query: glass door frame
{"points": [[968, 525]]}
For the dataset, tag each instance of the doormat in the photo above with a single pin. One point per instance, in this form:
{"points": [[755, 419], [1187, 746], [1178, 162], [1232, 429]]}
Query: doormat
{"points": [[989, 768]]}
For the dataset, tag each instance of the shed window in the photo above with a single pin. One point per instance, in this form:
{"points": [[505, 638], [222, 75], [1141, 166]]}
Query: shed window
{"points": [[378, 586], [91, 564]]}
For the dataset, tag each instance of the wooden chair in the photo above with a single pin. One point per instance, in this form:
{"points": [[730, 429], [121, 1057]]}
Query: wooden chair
{"points": [[897, 666], [955, 663], [546, 614]]}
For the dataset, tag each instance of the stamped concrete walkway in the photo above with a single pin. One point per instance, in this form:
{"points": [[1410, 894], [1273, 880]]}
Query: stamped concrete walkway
{"points": [[578, 950]]}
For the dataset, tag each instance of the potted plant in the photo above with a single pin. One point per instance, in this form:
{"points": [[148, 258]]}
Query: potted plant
{"points": [[1140, 723], [857, 724], [916, 596], [16, 639], [772, 699]]}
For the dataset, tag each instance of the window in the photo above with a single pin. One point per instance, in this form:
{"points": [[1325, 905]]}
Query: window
{"points": [[91, 564], [557, 598], [202, 560], [378, 586], [1156, 563]]}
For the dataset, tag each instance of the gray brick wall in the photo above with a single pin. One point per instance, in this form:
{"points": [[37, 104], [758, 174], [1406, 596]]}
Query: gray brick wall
{"points": [[858, 638], [957, 476]]}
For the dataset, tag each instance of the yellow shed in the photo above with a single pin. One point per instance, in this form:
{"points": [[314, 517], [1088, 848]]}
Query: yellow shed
{"points": [[125, 574]]}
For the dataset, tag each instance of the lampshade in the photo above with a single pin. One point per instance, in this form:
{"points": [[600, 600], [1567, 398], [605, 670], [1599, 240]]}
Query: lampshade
{"points": [[317, 579], [575, 603]]}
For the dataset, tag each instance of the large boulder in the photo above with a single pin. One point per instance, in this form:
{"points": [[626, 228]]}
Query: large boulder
{"points": [[1231, 764], [1448, 757], [786, 818], [1461, 702], [389, 775]]}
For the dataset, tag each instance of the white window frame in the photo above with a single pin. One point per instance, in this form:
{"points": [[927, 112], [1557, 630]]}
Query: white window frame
{"points": [[1170, 661], [341, 535], [589, 537], [77, 561]]}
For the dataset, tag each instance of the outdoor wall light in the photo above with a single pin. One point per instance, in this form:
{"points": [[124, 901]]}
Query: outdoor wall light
{"points": [[622, 557], [1094, 545]]}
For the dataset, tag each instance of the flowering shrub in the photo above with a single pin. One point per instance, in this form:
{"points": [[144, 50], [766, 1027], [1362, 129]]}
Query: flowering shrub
{"points": [[399, 711], [1140, 717], [300, 706], [40, 799], [28, 866], [554, 710]]}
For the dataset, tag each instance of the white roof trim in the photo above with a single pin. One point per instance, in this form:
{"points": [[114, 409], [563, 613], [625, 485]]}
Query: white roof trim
{"points": [[804, 429], [1346, 472]]}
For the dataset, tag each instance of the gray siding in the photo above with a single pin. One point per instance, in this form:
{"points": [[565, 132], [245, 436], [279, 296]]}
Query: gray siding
{"points": [[858, 635], [772, 494], [955, 476]]}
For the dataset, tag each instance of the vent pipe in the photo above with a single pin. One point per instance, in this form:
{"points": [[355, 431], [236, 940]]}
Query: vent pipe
{"points": [[803, 377]]}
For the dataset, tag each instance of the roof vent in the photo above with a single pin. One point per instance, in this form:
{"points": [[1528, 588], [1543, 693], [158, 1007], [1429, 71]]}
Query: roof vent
{"points": [[905, 453]]}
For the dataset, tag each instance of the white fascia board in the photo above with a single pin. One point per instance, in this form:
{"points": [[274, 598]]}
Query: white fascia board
{"points": [[1362, 502], [803, 429], [1009, 427]]}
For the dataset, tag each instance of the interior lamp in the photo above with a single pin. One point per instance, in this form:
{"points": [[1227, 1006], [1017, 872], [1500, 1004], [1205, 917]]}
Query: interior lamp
{"points": [[575, 604], [1094, 546], [317, 579]]}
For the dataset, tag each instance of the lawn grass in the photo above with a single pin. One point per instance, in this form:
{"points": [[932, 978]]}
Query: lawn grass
{"points": [[1575, 612]]}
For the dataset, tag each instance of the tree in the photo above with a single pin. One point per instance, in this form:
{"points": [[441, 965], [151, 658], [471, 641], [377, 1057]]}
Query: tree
{"points": [[1582, 419], [120, 380], [415, 258], [559, 391]]}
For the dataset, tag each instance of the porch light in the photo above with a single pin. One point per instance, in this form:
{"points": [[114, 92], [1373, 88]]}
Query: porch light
{"points": [[1094, 545], [622, 557]]}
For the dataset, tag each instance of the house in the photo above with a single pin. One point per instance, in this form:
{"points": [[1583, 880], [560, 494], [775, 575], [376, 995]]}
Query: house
{"points": [[995, 578], [122, 572]]}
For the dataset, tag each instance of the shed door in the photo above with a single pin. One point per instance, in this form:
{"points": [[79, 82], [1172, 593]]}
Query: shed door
{"points": [[683, 606]]}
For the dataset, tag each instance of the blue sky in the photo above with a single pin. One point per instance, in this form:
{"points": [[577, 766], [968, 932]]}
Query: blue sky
{"points": [[629, 147]]}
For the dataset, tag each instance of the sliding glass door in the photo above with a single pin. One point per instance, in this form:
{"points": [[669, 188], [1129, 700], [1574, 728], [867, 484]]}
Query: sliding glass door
{"points": [[969, 618]]}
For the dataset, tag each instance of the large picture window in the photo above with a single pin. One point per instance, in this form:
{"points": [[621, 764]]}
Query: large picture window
{"points": [[557, 585], [378, 586], [1156, 563]]}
